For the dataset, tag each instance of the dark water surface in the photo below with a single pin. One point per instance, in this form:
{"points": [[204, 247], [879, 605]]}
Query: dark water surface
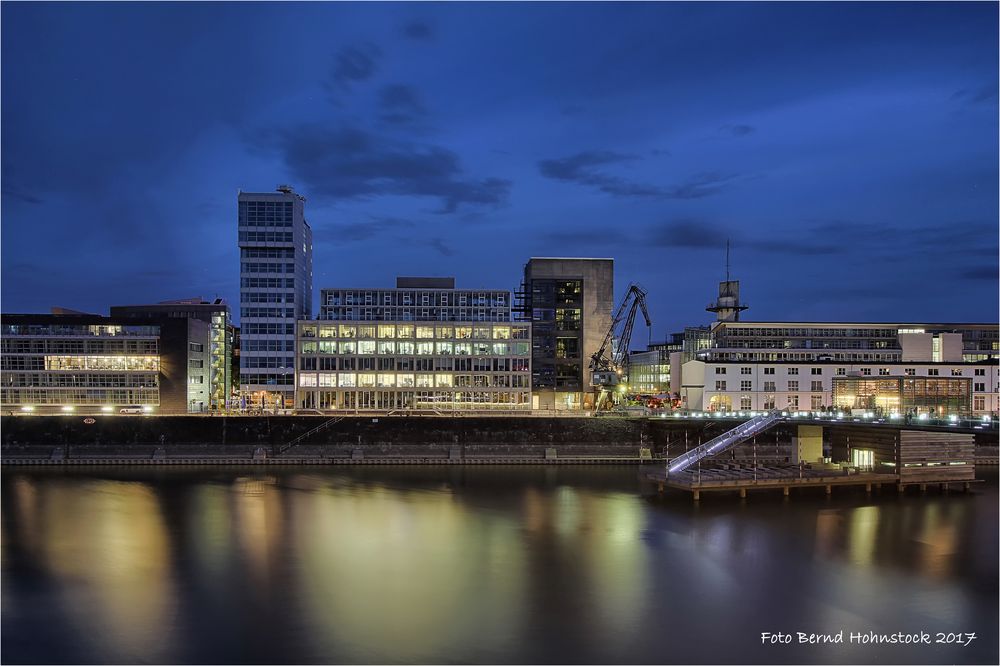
{"points": [[481, 565]]}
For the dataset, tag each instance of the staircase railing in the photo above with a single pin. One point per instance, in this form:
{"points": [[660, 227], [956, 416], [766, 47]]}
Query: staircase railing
{"points": [[309, 433], [724, 441]]}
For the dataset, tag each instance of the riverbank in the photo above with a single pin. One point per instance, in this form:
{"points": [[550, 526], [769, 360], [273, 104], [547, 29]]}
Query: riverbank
{"points": [[196, 440]]}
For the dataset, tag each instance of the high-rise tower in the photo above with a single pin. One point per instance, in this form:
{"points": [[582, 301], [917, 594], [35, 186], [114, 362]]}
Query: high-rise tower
{"points": [[275, 290]]}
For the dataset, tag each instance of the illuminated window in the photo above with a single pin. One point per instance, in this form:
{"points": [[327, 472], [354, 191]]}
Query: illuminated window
{"points": [[346, 379], [445, 348], [327, 379], [404, 331], [463, 332], [348, 331], [445, 332], [501, 332], [386, 347], [366, 347], [307, 380], [425, 332], [386, 331], [366, 379]]}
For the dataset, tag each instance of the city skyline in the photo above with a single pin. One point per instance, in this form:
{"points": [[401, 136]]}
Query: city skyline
{"points": [[856, 176]]}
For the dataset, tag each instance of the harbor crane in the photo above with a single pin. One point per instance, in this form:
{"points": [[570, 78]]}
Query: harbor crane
{"points": [[610, 362]]}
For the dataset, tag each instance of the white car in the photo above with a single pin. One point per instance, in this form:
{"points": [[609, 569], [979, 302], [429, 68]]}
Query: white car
{"points": [[133, 409]]}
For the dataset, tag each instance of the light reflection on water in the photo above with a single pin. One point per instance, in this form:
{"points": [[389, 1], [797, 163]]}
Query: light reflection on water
{"points": [[475, 565]]}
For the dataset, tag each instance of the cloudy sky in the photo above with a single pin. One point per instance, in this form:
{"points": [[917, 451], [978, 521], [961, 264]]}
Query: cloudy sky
{"points": [[849, 151]]}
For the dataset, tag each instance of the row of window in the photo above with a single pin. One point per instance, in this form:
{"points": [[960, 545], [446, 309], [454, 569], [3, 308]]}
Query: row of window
{"points": [[266, 267], [270, 328], [59, 346], [427, 399], [384, 347], [97, 380], [410, 380], [409, 331], [267, 297], [288, 313], [265, 236], [268, 345], [267, 253], [429, 298], [267, 283], [414, 363], [33, 396], [412, 314], [97, 330], [267, 361]]}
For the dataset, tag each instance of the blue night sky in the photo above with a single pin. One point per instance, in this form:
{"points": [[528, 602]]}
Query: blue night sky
{"points": [[849, 151]]}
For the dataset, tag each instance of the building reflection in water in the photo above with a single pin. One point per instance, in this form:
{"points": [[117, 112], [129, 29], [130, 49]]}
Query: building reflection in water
{"points": [[480, 565], [104, 546]]}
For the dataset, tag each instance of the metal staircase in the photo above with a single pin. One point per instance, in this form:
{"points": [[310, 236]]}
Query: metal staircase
{"points": [[726, 440], [309, 433]]}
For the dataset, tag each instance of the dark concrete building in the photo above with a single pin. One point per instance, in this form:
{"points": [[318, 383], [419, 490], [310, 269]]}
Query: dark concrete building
{"points": [[216, 384], [569, 303]]}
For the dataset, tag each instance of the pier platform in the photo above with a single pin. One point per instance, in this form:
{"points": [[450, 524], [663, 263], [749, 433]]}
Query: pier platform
{"points": [[741, 478]]}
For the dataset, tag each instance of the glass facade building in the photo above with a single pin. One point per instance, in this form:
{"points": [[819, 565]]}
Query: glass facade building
{"points": [[275, 290], [385, 366], [79, 363], [937, 396]]}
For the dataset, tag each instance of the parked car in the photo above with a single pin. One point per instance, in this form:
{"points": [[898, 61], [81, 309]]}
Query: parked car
{"points": [[130, 409]]}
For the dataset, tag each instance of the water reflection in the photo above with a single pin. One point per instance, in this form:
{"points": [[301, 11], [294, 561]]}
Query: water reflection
{"points": [[469, 565]]}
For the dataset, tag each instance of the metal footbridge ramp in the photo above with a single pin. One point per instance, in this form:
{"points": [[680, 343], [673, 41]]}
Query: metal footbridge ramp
{"points": [[726, 440]]}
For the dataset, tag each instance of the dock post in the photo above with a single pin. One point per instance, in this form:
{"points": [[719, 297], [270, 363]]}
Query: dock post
{"points": [[900, 488], [784, 491], [966, 486], [695, 495], [829, 489], [743, 493], [868, 488], [923, 488], [945, 488], [659, 487]]}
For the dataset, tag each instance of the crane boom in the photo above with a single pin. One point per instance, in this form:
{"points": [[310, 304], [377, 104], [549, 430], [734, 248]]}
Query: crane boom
{"points": [[606, 367]]}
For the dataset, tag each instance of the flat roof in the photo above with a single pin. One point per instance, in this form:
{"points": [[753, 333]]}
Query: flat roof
{"points": [[905, 324]]}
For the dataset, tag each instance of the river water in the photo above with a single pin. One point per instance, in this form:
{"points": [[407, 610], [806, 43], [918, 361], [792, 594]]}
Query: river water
{"points": [[479, 565]]}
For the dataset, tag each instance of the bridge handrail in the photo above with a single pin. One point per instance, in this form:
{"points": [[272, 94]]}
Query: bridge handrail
{"points": [[755, 424]]}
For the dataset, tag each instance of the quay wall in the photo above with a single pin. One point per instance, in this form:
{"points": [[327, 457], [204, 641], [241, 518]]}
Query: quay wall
{"points": [[396, 436]]}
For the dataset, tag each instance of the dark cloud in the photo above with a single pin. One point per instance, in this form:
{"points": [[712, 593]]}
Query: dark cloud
{"points": [[701, 185], [694, 233], [352, 163], [738, 130], [358, 231], [584, 168], [419, 30], [978, 95], [981, 273], [440, 246], [354, 64], [21, 196], [400, 105]]}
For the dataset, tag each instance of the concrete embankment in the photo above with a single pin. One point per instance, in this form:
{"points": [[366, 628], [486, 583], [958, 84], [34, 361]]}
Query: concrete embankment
{"points": [[73, 440]]}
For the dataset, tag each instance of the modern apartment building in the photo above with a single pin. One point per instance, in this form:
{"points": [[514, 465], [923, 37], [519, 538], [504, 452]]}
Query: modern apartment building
{"points": [[84, 363], [275, 290], [569, 303], [424, 345], [893, 367], [220, 343]]}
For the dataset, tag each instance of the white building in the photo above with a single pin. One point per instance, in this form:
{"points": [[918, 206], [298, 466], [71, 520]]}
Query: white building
{"points": [[275, 290], [948, 368]]}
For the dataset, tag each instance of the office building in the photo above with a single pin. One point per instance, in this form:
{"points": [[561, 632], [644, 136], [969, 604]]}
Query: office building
{"points": [[220, 344], [92, 364], [569, 303], [275, 290], [416, 299], [424, 345]]}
